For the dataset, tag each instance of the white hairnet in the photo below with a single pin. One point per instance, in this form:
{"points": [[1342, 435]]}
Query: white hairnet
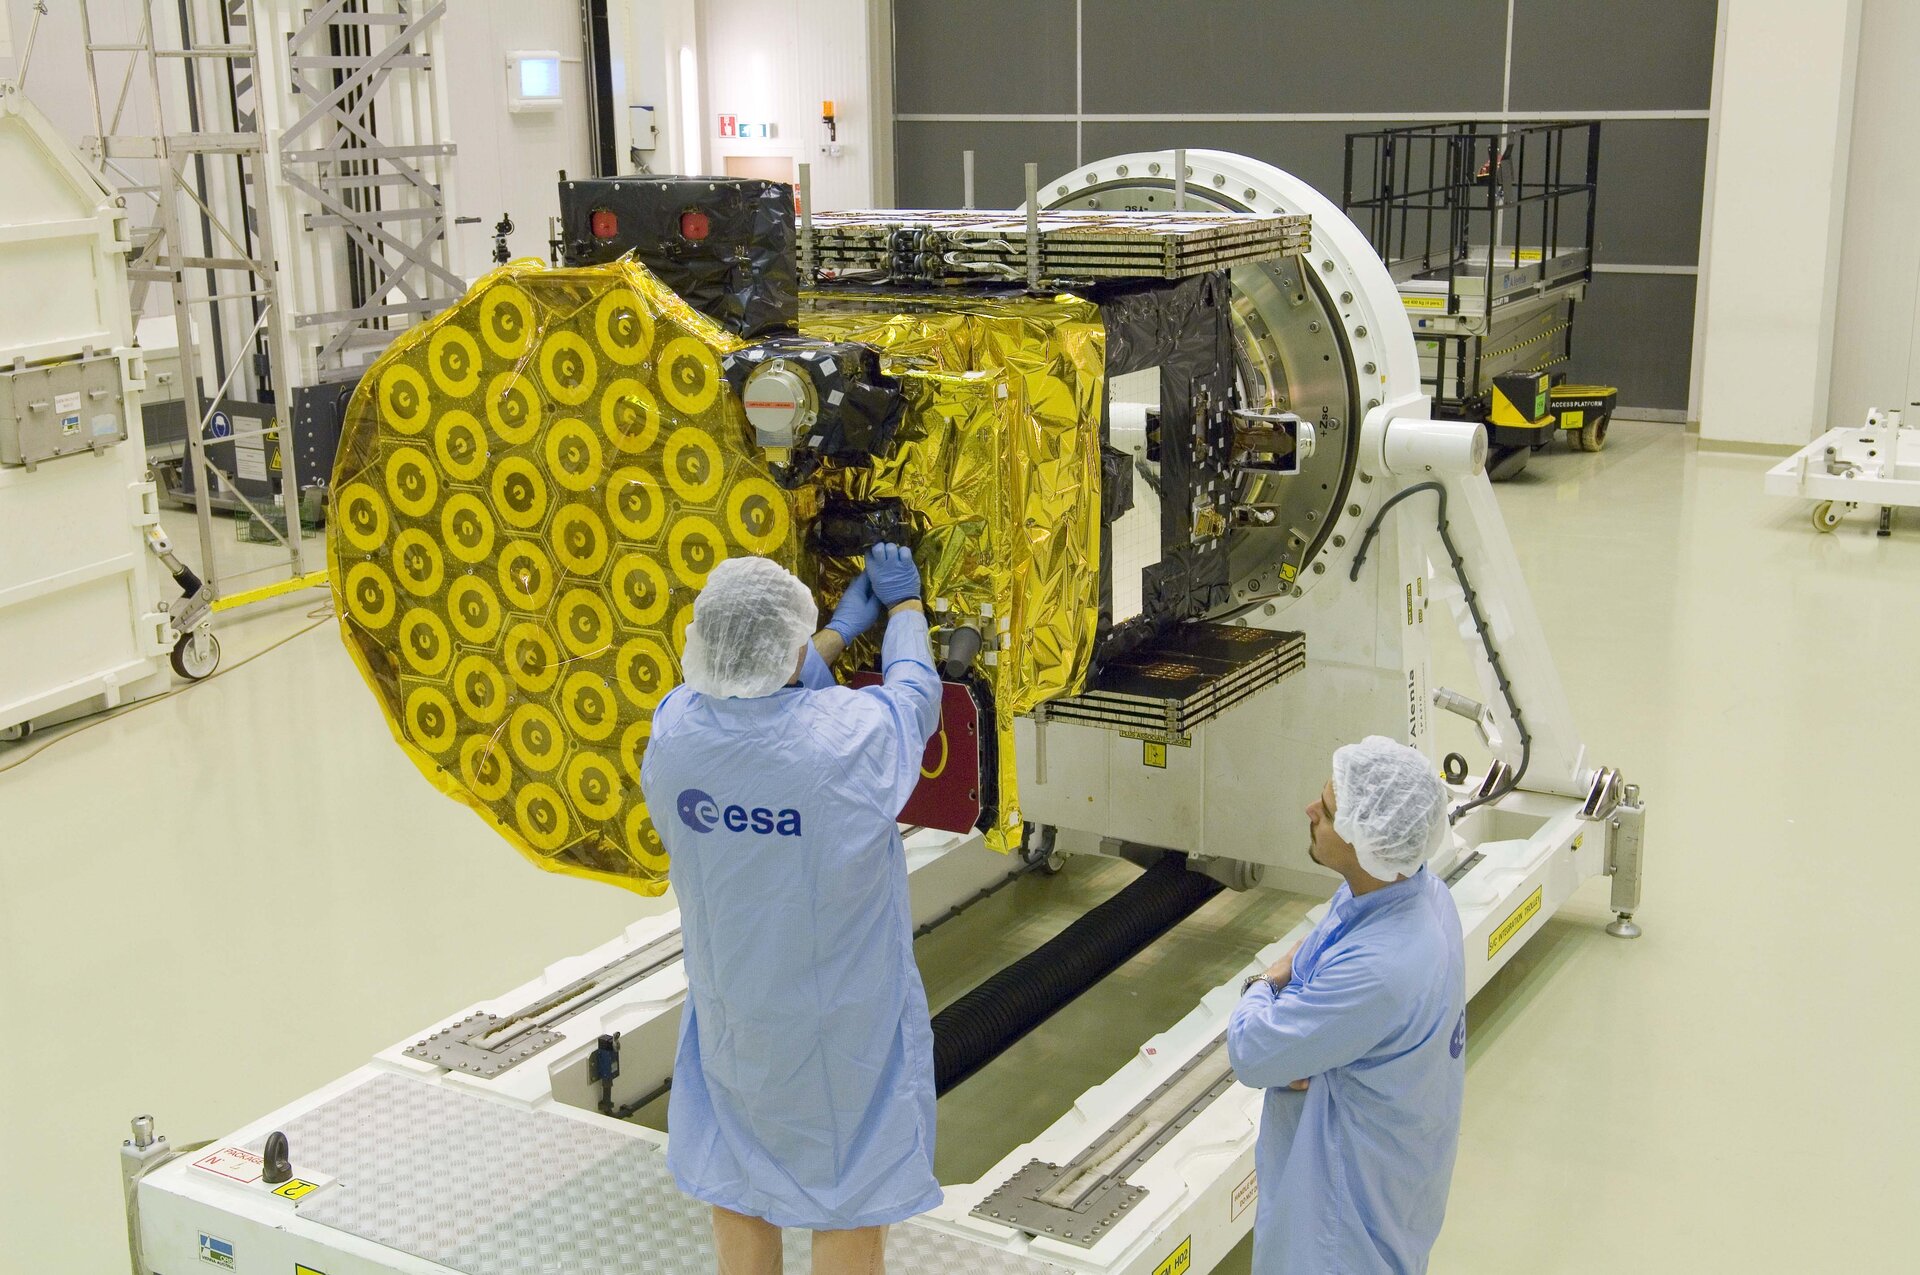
{"points": [[1388, 804], [748, 626]]}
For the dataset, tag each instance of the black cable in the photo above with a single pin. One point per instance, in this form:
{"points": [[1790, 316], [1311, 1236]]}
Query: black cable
{"points": [[320, 615], [1479, 627]]}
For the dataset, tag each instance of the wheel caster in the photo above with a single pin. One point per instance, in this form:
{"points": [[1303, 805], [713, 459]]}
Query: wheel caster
{"points": [[1592, 436], [1826, 516], [1622, 927], [14, 734], [196, 655], [1037, 849]]}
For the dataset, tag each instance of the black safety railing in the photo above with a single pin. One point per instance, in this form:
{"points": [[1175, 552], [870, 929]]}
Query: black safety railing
{"points": [[1496, 211], [1427, 195]]}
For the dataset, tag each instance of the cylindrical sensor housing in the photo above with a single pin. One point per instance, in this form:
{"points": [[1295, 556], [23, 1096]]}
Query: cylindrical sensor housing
{"points": [[1455, 448], [780, 403]]}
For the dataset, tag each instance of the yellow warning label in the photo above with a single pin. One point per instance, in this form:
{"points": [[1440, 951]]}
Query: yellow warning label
{"points": [[1572, 420], [1425, 303], [298, 1269], [1579, 841], [294, 1189], [1179, 1261], [1153, 752], [1288, 571], [1514, 923]]}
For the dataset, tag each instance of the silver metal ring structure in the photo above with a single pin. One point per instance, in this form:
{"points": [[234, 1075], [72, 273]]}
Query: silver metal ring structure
{"points": [[1324, 337]]}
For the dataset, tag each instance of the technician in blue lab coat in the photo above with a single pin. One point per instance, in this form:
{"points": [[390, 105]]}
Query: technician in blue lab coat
{"points": [[803, 1090], [1359, 1033]]}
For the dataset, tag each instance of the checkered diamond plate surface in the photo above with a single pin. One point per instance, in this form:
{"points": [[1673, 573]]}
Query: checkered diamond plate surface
{"points": [[488, 1189]]}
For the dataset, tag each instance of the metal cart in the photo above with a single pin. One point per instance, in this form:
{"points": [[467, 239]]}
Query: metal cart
{"points": [[1876, 464]]}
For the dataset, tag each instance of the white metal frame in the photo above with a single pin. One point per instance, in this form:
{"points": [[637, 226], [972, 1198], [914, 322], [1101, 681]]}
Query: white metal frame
{"points": [[175, 1203], [1876, 463]]}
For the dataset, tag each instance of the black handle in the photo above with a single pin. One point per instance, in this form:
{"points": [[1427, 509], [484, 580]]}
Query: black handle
{"points": [[278, 1162]]}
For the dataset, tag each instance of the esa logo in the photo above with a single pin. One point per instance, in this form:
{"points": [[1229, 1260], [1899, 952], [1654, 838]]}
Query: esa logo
{"points": [[702, 814]]}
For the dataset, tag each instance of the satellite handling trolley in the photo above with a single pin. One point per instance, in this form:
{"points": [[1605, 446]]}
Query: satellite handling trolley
{"points": [[1875, 463]]}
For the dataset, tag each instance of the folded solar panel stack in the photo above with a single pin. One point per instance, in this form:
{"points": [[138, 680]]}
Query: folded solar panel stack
{"points": [[1169, 687], [957, 246]]}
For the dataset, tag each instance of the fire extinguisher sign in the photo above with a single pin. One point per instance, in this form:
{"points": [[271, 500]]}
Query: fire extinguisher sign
{"points": [[729, 126]]}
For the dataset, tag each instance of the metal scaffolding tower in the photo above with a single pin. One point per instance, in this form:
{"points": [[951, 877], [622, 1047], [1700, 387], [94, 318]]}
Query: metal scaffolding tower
{"points": [[228, 261], [292, 152], [359, 156]]}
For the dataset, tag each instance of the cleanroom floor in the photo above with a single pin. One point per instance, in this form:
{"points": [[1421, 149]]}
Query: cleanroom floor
{"points": [[221, 900]]}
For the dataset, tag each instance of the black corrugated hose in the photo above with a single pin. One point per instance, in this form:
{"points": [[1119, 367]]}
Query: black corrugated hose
{"points": [[978, 1027]]}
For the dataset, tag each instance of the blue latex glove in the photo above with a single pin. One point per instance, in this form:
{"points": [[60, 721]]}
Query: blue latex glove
{"points": [[893, 573], [858, 611]]}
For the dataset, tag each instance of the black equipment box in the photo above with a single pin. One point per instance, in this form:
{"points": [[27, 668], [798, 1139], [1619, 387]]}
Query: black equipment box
{"points": [[726, 245]]}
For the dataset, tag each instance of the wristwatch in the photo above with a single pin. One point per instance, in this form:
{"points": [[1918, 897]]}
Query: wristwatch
{"points": [[1246, 984]]}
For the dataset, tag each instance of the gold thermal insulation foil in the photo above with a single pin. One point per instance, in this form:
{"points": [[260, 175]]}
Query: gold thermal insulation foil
{"points": [[998, 463]]}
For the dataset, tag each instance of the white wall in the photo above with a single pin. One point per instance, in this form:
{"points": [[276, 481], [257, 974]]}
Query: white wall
{"points": [[507, 161], [776, 61], [1785, 91], [648, 36], [1875, 333]]}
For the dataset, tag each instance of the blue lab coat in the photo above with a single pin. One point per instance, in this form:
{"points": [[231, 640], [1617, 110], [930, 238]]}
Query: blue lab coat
{"points": [[1353, 1173], [803, 1089]]}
